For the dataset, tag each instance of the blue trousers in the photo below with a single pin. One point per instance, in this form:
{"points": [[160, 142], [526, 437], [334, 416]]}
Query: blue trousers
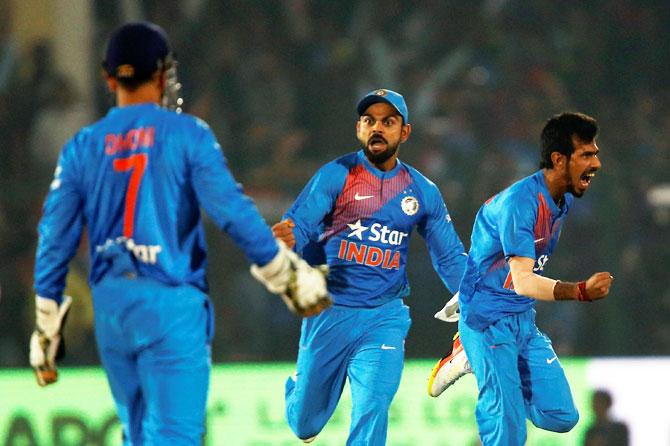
{"points": [[154, 343], [365, 345], [518, 376]]}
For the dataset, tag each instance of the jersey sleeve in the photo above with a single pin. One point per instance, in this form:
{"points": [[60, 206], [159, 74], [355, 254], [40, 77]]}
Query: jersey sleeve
{"points": [[314, 203], [60, 227], [516, 220], [224, 201], [445, 247]]}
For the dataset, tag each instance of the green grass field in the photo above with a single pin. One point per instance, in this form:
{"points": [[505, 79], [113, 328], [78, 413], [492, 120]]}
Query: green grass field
{"points": [[246, 408]]}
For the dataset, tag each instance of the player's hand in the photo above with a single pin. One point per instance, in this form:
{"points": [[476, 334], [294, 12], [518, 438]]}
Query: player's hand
{"points": [[598, 285], [451, 311], [46, 343], [301, 286], [284, 232]]}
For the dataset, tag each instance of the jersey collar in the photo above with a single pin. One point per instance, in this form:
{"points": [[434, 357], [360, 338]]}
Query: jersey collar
{"points": [[135, 107], [555, 209]]}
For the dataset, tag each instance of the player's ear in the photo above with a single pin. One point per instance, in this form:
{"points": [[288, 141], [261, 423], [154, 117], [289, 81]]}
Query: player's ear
{"points": [[404, 133], [112, 84], [558, 159]]}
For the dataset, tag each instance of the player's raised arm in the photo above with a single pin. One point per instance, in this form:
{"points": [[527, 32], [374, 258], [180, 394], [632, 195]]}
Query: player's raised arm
{"points": [[529, 284]]}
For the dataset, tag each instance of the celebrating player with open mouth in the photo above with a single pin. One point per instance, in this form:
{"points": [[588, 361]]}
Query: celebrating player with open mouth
{"points": [[518, 373], [356, 214]]}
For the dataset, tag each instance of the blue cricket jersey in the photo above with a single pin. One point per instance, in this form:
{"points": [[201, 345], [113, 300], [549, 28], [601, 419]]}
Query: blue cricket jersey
{"points": [[522, 221], [358, 219], [137, 180]]}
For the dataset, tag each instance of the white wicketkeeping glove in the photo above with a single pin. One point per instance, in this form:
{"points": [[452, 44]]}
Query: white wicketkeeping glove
{"points": [[451, 312], [46, 343], [301, 286]]}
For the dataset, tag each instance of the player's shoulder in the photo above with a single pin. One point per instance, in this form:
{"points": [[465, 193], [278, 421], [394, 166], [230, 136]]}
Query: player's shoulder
{"points": [[185, 121], [518, 195], [82, 138], [341, 165], [332, 175], [523, 188], [417, 176], [425, 184]]}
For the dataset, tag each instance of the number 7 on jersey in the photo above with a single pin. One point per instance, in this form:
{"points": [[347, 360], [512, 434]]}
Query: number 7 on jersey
{"points": [[137, 164]]}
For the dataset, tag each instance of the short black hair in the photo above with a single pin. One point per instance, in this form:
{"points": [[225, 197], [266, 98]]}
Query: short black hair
{"points": [[558, 131]]}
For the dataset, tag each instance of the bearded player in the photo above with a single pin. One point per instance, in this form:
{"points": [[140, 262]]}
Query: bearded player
{"points": [[515, 232], [356, 214]]}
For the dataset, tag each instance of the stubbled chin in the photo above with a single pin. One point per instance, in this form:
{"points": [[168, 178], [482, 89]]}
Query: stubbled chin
{"points": [[578, 190]]}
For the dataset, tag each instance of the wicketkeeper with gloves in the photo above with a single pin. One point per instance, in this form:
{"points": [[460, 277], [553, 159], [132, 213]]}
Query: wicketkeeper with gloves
{"points": [[137, 179]]}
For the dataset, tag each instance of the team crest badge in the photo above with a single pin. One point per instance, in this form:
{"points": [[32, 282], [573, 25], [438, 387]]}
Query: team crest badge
{"points": [[409, 205]]}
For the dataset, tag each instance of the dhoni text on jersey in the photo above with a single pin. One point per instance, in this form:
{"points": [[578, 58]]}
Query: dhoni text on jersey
{"points": [[132, 140]]}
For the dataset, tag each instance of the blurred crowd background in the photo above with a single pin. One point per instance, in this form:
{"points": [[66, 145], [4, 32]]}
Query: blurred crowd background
{"points": [[278, 82]]}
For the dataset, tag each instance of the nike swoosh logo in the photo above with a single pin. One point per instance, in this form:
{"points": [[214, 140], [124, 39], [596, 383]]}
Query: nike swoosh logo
{"points": [[539, 240], [387, 347], [362, 197], [549, 361]]}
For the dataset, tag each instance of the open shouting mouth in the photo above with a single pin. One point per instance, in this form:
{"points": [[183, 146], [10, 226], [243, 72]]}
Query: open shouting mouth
{"points": [[377, 142], [586, 178]]}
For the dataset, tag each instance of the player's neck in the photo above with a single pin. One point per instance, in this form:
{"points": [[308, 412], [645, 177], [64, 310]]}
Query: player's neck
{"points": [[387, 165], [147, 93], [556, 185]]}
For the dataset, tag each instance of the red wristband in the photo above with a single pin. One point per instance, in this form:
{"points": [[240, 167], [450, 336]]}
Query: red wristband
{"points": [[582, 295]]}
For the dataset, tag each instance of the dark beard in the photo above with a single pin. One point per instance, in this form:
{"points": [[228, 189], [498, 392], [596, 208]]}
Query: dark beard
{"points": [[574, 192], [571, 186], [382, 157]]}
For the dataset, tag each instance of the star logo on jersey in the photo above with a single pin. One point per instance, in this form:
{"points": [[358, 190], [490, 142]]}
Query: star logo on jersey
{"points": [[357, 229]]}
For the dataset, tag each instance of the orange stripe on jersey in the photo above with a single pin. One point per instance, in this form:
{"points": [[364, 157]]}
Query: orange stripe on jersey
{"points": [[508, 282], [542, 230]]}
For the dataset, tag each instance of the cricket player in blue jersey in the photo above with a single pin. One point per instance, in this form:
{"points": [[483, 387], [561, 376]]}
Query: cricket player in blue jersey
{"points": [[356, 214], [514, 234], [137, 179]]}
